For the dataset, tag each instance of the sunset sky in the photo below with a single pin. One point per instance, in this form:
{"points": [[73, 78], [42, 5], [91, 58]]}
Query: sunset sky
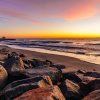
{"points": [[49, 18]]}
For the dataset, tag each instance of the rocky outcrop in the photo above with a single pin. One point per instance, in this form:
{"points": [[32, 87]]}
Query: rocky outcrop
{"points": [[3, 76], [52, 93], [14, 64], [43, 80]]}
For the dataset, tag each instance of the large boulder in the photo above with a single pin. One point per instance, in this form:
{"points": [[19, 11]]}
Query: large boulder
{"points": [[53, 93], [95, 95], [14, 64], [18, 87], [23, 81], [9, 94], [54, 73], [71, 90], [3, 76], [13, 89]]}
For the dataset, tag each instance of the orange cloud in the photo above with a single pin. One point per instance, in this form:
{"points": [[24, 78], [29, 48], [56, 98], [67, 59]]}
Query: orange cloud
{"points": [[66, 9], [81, 12]]}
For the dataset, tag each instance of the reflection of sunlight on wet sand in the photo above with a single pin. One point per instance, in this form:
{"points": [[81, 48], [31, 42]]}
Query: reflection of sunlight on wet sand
{"points": [[88, 58]]}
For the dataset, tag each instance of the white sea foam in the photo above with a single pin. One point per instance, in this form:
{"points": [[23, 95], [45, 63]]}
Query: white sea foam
{"points": [[89, 52]]}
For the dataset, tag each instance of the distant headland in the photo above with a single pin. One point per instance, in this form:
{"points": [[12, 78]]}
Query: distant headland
{"points": [[4, 38]]}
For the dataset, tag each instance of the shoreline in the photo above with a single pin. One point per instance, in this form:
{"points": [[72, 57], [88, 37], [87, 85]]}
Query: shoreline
{"points": [[71, 63], [87, 58]]}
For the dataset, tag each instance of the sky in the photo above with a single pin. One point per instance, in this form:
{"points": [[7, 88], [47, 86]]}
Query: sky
{"points": [[50, 18]]}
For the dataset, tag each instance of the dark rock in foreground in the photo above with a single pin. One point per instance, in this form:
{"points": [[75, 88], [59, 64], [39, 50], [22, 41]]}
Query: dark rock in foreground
{"points": [[14, 64], [93, 85], [72, 76], [95, 95], [52, 93], [92, 74], [54, 73], [3, 76], [72, 90], [9, 94]]}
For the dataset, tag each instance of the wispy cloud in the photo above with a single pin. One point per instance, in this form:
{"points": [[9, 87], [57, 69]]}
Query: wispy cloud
{"points": [[66, 9]]}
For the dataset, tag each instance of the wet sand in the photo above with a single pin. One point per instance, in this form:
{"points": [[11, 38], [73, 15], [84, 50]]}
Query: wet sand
{"points": [[72, 64]]}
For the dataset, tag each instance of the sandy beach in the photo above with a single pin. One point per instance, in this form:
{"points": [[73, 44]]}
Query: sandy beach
{"points": [[72, 64]]}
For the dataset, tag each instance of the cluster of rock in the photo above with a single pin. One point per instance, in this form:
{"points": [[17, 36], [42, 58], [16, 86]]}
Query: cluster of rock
{"points": [[24, 79]]}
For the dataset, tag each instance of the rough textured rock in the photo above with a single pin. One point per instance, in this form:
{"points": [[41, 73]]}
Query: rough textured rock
{"points": [[95, 95], [46, 82], [72, 76], [72, 90], [13, 63], [58, 66], [23, 81], [93, 74], [9, 94], [3, 76], [37, 63], [52, 93], [54, 73], [87, 79], [93, 85], [25, 84], [4, 51]]}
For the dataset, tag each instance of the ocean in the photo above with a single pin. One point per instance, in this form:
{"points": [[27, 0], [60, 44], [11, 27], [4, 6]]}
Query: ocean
{"points": [[83, 49]]}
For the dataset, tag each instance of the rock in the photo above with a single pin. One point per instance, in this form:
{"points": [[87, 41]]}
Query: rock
{"points": [[92, 74], [93, 85], [4, 51], [37, 63], [45, 82], [27, 64], [3, 76], [52, 93], [87, 79], [9, 94], [48, 63], [59, 66], [40, 64], [81, 71], [14, 64], [95, 95], [23, 81], [22, 56], [72, 76], [72, 90], [54, 73], [13, 89]]}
